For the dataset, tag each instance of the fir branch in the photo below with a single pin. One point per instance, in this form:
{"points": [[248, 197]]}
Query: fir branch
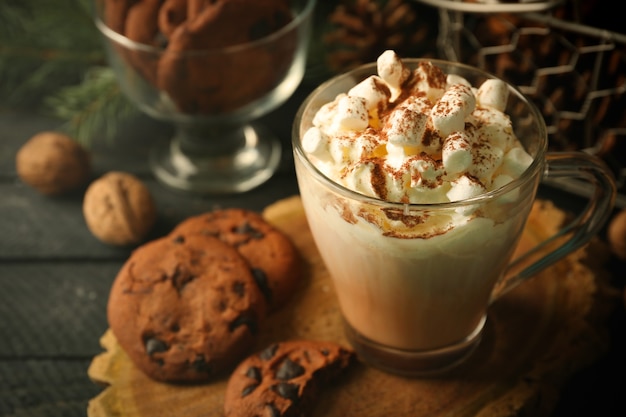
{"points": [[95, 105], [52, 59], [44, 40]]}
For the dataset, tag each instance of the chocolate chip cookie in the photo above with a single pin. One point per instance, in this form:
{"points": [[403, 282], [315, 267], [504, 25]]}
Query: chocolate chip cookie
{"points": [[274, 260], [284, 379], [220, 80], [114, 13], [197, 54], [185, 308]]}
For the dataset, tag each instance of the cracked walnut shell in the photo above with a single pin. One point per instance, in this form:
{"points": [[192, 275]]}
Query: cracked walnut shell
{"points": [[119, 209], [53, 163]]}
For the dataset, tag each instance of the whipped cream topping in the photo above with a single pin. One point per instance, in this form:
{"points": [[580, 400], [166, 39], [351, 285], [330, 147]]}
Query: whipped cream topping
{"points": [[417, 136]]}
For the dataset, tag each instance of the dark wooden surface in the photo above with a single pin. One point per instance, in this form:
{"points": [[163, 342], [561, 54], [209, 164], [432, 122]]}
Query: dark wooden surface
{"points": [[55, 276]]}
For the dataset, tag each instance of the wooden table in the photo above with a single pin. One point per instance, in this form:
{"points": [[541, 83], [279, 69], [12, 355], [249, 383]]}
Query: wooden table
{"points": [[55, 276]]}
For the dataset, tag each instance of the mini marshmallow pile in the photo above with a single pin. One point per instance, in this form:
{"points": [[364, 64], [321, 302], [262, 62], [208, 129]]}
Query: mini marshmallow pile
{"points": [[417, 136]]}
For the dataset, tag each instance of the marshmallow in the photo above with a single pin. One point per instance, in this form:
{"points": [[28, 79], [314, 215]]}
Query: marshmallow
{"points": [[352, 113], [494, 127], [464, 187], [456, 153], [516, 161], [430, 80], [486, 158], [374, 90], [418, 104], [405, 127], [391, 69], [452, 79], [500, 181], [448, 115], [314, 142], [493, 93], [440, 140]]}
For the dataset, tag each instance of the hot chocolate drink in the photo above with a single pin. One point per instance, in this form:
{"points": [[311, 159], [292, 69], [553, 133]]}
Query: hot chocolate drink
{"points": [[417, 177], [415, 136]]}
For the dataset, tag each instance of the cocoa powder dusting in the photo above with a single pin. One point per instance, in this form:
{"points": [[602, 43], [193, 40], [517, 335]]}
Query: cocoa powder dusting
{"points": [[430, 136], [346, 212], [379, 181], [409, 220], [382, 88], [434, 75], [399, 235], [470, 128]]}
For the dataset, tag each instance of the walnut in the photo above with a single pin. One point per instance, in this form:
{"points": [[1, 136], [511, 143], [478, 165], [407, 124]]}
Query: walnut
{"points": [[119, 209], [616, 234], [53, 163]]}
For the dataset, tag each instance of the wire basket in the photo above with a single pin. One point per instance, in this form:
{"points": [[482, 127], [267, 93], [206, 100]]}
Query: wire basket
{"points": [[557, 54]]}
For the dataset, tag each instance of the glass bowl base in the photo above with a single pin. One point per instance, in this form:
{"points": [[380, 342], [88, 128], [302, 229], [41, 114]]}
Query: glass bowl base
{"points": [[231, 161]]}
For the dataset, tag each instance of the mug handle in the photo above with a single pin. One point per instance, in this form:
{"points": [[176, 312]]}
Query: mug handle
{"points": [[576, 233]]}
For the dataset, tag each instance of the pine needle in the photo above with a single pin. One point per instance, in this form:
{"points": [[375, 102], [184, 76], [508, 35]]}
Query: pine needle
{"points": [[44, 44], [52, 59], [93, 109]]}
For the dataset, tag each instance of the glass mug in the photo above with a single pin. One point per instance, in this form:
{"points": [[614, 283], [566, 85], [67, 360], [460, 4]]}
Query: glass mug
{"points": [[416, 304]]}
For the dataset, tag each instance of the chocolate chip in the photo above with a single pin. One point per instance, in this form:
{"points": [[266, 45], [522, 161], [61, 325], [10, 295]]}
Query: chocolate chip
{"points": [[244, 321], [181, 278], [273, 411], [247, 229], [154, 345], [247, 390], [289, 370], [286, 390], [179, 239], [261, 279], [239, 288], [200, 365], [254, 373], [269, 352]]}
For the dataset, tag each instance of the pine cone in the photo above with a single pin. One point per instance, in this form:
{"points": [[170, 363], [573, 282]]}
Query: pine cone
{"points": [[363, 29]]}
